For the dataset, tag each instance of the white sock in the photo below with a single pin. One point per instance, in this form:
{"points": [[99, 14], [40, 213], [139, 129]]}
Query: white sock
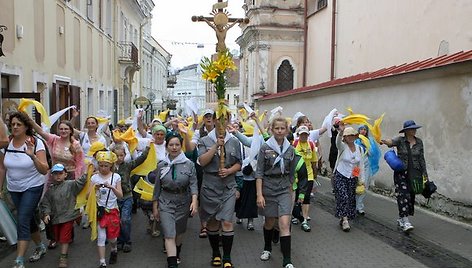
{"points": [[102, 261]]}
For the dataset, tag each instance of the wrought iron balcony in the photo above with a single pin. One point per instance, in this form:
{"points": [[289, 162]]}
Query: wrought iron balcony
{"points": [[129, 53]]}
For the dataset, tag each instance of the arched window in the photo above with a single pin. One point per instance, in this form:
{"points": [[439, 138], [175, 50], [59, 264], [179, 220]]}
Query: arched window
{"points": [[285, 76]]}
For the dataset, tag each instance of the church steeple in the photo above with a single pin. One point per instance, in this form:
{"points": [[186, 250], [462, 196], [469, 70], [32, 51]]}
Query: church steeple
{"points": [[271, 47]]}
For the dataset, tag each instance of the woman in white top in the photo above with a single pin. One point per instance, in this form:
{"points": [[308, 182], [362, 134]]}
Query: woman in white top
{"points": [[23, 163], [87, 138], [349, 171]]}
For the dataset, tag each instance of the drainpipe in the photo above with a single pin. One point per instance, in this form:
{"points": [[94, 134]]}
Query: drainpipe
{"points": [[333, 39], [140, 60], [305, 35]]}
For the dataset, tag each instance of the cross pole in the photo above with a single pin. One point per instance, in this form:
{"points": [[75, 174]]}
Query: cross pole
{"points": [[220, 22]]}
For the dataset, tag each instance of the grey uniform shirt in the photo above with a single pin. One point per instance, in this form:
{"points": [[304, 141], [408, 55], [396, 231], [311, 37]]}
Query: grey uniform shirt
{"points": [[274, 180], [183, 179], [232, 154]]}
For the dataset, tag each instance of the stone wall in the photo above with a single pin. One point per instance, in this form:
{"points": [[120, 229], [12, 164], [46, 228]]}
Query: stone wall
{"points": [[439, 99]]}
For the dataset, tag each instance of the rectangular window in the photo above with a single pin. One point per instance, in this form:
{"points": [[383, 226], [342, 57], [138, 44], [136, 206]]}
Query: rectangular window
{"points": [[5, 83], [90, 101], [314, 6], [101, 100]]}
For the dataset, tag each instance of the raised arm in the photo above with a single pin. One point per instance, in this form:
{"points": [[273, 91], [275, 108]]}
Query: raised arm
{"points": [[38, 129], [73, 121], [3, 134]]}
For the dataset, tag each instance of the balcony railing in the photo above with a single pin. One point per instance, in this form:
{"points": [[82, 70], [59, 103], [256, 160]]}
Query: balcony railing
{"points": [[129, 52]]}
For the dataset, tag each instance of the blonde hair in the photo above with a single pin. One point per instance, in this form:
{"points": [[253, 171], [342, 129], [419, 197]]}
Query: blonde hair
{"points": [[278, 119]]}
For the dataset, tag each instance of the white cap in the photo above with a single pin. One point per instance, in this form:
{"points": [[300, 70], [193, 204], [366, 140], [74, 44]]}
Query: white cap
{"points": [[208, 111], [303, 129]]}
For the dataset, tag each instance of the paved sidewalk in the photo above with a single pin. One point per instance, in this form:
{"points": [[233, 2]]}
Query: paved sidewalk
{"points": [[373, 241]]}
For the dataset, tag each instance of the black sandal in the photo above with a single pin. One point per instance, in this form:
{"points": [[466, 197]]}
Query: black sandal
{"points": [[216, 261], [203, 233], [228, 265]]}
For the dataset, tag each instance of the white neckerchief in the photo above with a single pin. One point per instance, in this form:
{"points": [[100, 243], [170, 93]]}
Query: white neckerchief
{"points": [[181, 158], [272, 143], [212, 135]]}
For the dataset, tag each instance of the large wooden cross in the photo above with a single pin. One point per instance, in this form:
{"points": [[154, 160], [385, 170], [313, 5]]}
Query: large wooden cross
{"points": [[220, 22]]}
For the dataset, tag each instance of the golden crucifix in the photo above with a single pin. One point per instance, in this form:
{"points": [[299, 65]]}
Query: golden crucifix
{"points": [[220, 22]]}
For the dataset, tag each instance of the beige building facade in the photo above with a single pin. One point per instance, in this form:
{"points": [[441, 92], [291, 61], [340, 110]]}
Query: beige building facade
{"points": [[84, 53]]}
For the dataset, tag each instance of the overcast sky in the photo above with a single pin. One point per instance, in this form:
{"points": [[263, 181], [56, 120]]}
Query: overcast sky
{"points": [[173, 28]]}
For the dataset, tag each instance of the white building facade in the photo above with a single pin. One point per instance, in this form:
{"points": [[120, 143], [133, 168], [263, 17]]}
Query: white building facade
{"points": [[189, 85]]}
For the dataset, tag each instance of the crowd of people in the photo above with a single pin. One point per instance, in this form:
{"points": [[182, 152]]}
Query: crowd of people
{"points": [[224, 170]]}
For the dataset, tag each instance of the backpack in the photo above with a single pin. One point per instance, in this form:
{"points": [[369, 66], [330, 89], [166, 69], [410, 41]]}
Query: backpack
{"points": [[48, 154], [312, 144]]}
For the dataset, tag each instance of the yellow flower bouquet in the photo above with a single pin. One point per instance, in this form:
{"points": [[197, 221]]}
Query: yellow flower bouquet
{"points": [[214, 71]]}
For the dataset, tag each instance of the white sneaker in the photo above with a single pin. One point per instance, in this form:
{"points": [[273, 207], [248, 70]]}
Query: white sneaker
{"points": [[407, 226], [400, 223], [345, 226], [289, 266], [265, 256]]}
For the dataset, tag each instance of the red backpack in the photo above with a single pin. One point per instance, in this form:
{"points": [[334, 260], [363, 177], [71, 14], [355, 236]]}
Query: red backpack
{"points": [[312, 144]]}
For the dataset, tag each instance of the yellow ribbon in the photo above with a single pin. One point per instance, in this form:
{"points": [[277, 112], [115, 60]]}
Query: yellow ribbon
{"points": [[366, 142], [91, 211], [375, 130], [128, 136], [24, 103], [355, 119], [148, 165], [163, 115]]}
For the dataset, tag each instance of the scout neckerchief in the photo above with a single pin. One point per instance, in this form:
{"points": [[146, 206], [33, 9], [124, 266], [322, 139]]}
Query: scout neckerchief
{"points": [[181, 158], [280, 150], [212, 135]]}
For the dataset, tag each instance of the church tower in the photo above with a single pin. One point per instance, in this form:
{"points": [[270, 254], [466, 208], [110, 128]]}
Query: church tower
{"points": [[271, 48]]}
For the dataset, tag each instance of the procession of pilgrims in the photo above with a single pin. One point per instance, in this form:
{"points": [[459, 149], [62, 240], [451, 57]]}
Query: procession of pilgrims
{"points": [[225, 170]]}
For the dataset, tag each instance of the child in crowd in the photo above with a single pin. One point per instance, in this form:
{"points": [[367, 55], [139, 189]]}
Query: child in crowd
{"points": [[125, 204], [107, 186], [58, 207]]}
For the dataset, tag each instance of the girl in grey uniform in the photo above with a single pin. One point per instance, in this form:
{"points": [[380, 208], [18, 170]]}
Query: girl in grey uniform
{"points": [[274, 178], [218, 191], [175, 194]]}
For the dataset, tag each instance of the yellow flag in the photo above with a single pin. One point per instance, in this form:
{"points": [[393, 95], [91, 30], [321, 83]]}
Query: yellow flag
{"points": [[102, 120], [163, 115], [145, 189], [248, 129], [130, 138], [349, 109], [148, 165], [366, 142], [375, 130], [243, 113], [355, 119], [200, 119], [91, 211], [24, 103], [82, 196]]}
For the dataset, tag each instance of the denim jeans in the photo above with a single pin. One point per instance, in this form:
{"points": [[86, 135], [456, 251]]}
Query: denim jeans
{"points": [[26, 203], [125, 206]]}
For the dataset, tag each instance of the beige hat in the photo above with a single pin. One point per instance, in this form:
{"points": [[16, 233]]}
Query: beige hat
{"points": [[349, 131], [303, 129]]}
